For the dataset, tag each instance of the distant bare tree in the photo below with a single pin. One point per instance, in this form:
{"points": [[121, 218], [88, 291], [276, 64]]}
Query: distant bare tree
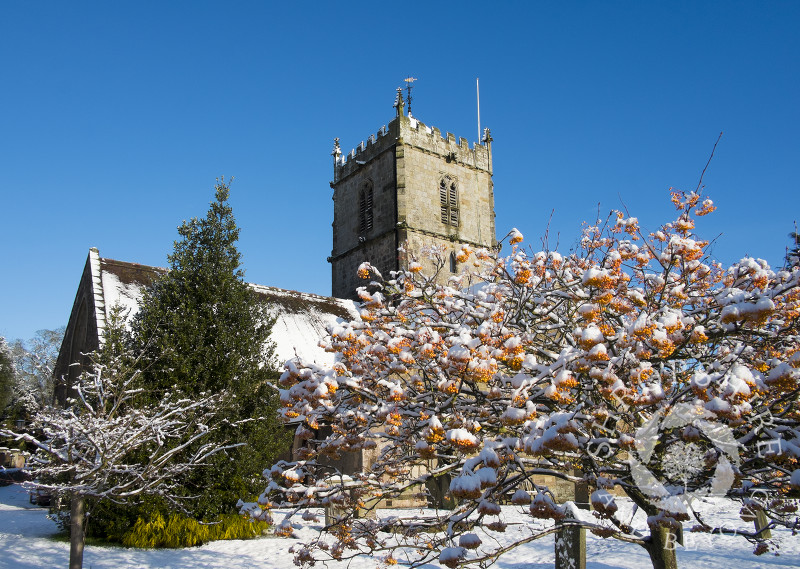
{"points": [[34, 360]]}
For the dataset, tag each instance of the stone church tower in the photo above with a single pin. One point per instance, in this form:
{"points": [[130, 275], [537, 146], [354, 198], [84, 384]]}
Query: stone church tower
{"points": [[408, 185]]}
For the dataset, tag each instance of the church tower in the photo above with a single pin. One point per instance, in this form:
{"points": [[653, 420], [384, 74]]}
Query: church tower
{"points": [[408, 185]]}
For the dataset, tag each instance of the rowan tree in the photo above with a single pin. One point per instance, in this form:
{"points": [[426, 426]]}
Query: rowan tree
{"points": [[606, 367]]}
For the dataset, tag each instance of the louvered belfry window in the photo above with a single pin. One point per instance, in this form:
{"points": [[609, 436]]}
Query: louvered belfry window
{"points": [[448, 199], [365, 208]]}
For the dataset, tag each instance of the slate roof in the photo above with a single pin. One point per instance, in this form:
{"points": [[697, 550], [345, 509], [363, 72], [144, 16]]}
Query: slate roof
{"points": [[301, 318]]}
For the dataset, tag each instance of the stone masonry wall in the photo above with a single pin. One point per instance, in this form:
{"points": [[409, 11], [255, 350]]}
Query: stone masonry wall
{"points": [[373, 165], [424, 157], [404, 165], [381, 252]]}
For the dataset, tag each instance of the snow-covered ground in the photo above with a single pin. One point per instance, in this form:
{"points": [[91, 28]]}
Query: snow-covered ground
{"points": [[25, 544]]}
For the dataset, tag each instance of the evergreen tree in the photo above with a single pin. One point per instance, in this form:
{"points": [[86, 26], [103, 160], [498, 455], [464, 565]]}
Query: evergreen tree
{"points": [[202, 329], [793, 252], [6, 376]]}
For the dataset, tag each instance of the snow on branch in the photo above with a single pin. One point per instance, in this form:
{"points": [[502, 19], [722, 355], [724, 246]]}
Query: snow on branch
{"points": [[112, 442], [636, 365]]}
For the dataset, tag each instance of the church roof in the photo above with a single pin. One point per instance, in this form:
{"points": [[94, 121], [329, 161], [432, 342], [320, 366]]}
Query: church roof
{"points": [[301, 318]]}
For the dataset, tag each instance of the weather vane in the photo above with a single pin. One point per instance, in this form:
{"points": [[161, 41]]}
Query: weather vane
{"points": [[409, 81]]}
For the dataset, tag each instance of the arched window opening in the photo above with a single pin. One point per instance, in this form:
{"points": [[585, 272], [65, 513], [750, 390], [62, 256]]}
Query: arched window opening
{"points": [[453, 262], [448, 200], [365, 208]]}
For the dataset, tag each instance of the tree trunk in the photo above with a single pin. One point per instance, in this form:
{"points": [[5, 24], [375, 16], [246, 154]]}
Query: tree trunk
{"points": [[661, 548], [663, 541], [77, 526]]}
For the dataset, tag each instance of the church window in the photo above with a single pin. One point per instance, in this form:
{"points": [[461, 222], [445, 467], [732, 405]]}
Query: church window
{"points": [[448, 200], [365, 208]]}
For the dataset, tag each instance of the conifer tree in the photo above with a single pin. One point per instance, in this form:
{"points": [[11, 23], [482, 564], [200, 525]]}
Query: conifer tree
{"points": [[202, 329], [6, 375], [793, 252]]}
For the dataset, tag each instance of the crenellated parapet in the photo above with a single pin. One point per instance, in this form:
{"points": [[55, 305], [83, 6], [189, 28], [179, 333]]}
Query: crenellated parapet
{"points": [[376, 144], [410, 131], [430, 140], [408, 184]]}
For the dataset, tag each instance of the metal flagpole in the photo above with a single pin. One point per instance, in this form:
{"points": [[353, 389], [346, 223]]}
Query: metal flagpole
{"points": [[478, 91]]}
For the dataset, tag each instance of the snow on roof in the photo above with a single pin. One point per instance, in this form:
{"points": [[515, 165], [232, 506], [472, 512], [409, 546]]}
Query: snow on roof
{"points": [[301, 321], [97, 292], [123, 284], [414, 122]]}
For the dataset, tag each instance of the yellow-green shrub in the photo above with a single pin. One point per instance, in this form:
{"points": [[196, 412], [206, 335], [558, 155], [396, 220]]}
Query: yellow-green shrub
{"points": [[182, 531]]}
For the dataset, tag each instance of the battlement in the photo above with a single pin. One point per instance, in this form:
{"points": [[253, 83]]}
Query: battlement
{"points": [[408, 183], [413, 132], [375, 144], [430, 139]]}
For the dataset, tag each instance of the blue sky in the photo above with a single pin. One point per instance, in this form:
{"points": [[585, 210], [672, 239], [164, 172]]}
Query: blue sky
{"points": [[116, 118]]}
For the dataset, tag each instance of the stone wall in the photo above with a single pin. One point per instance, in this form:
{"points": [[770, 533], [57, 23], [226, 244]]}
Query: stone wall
{"points": [[423, 159], [380, 251], [404, 164], [373, 166], [81, 335]]}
